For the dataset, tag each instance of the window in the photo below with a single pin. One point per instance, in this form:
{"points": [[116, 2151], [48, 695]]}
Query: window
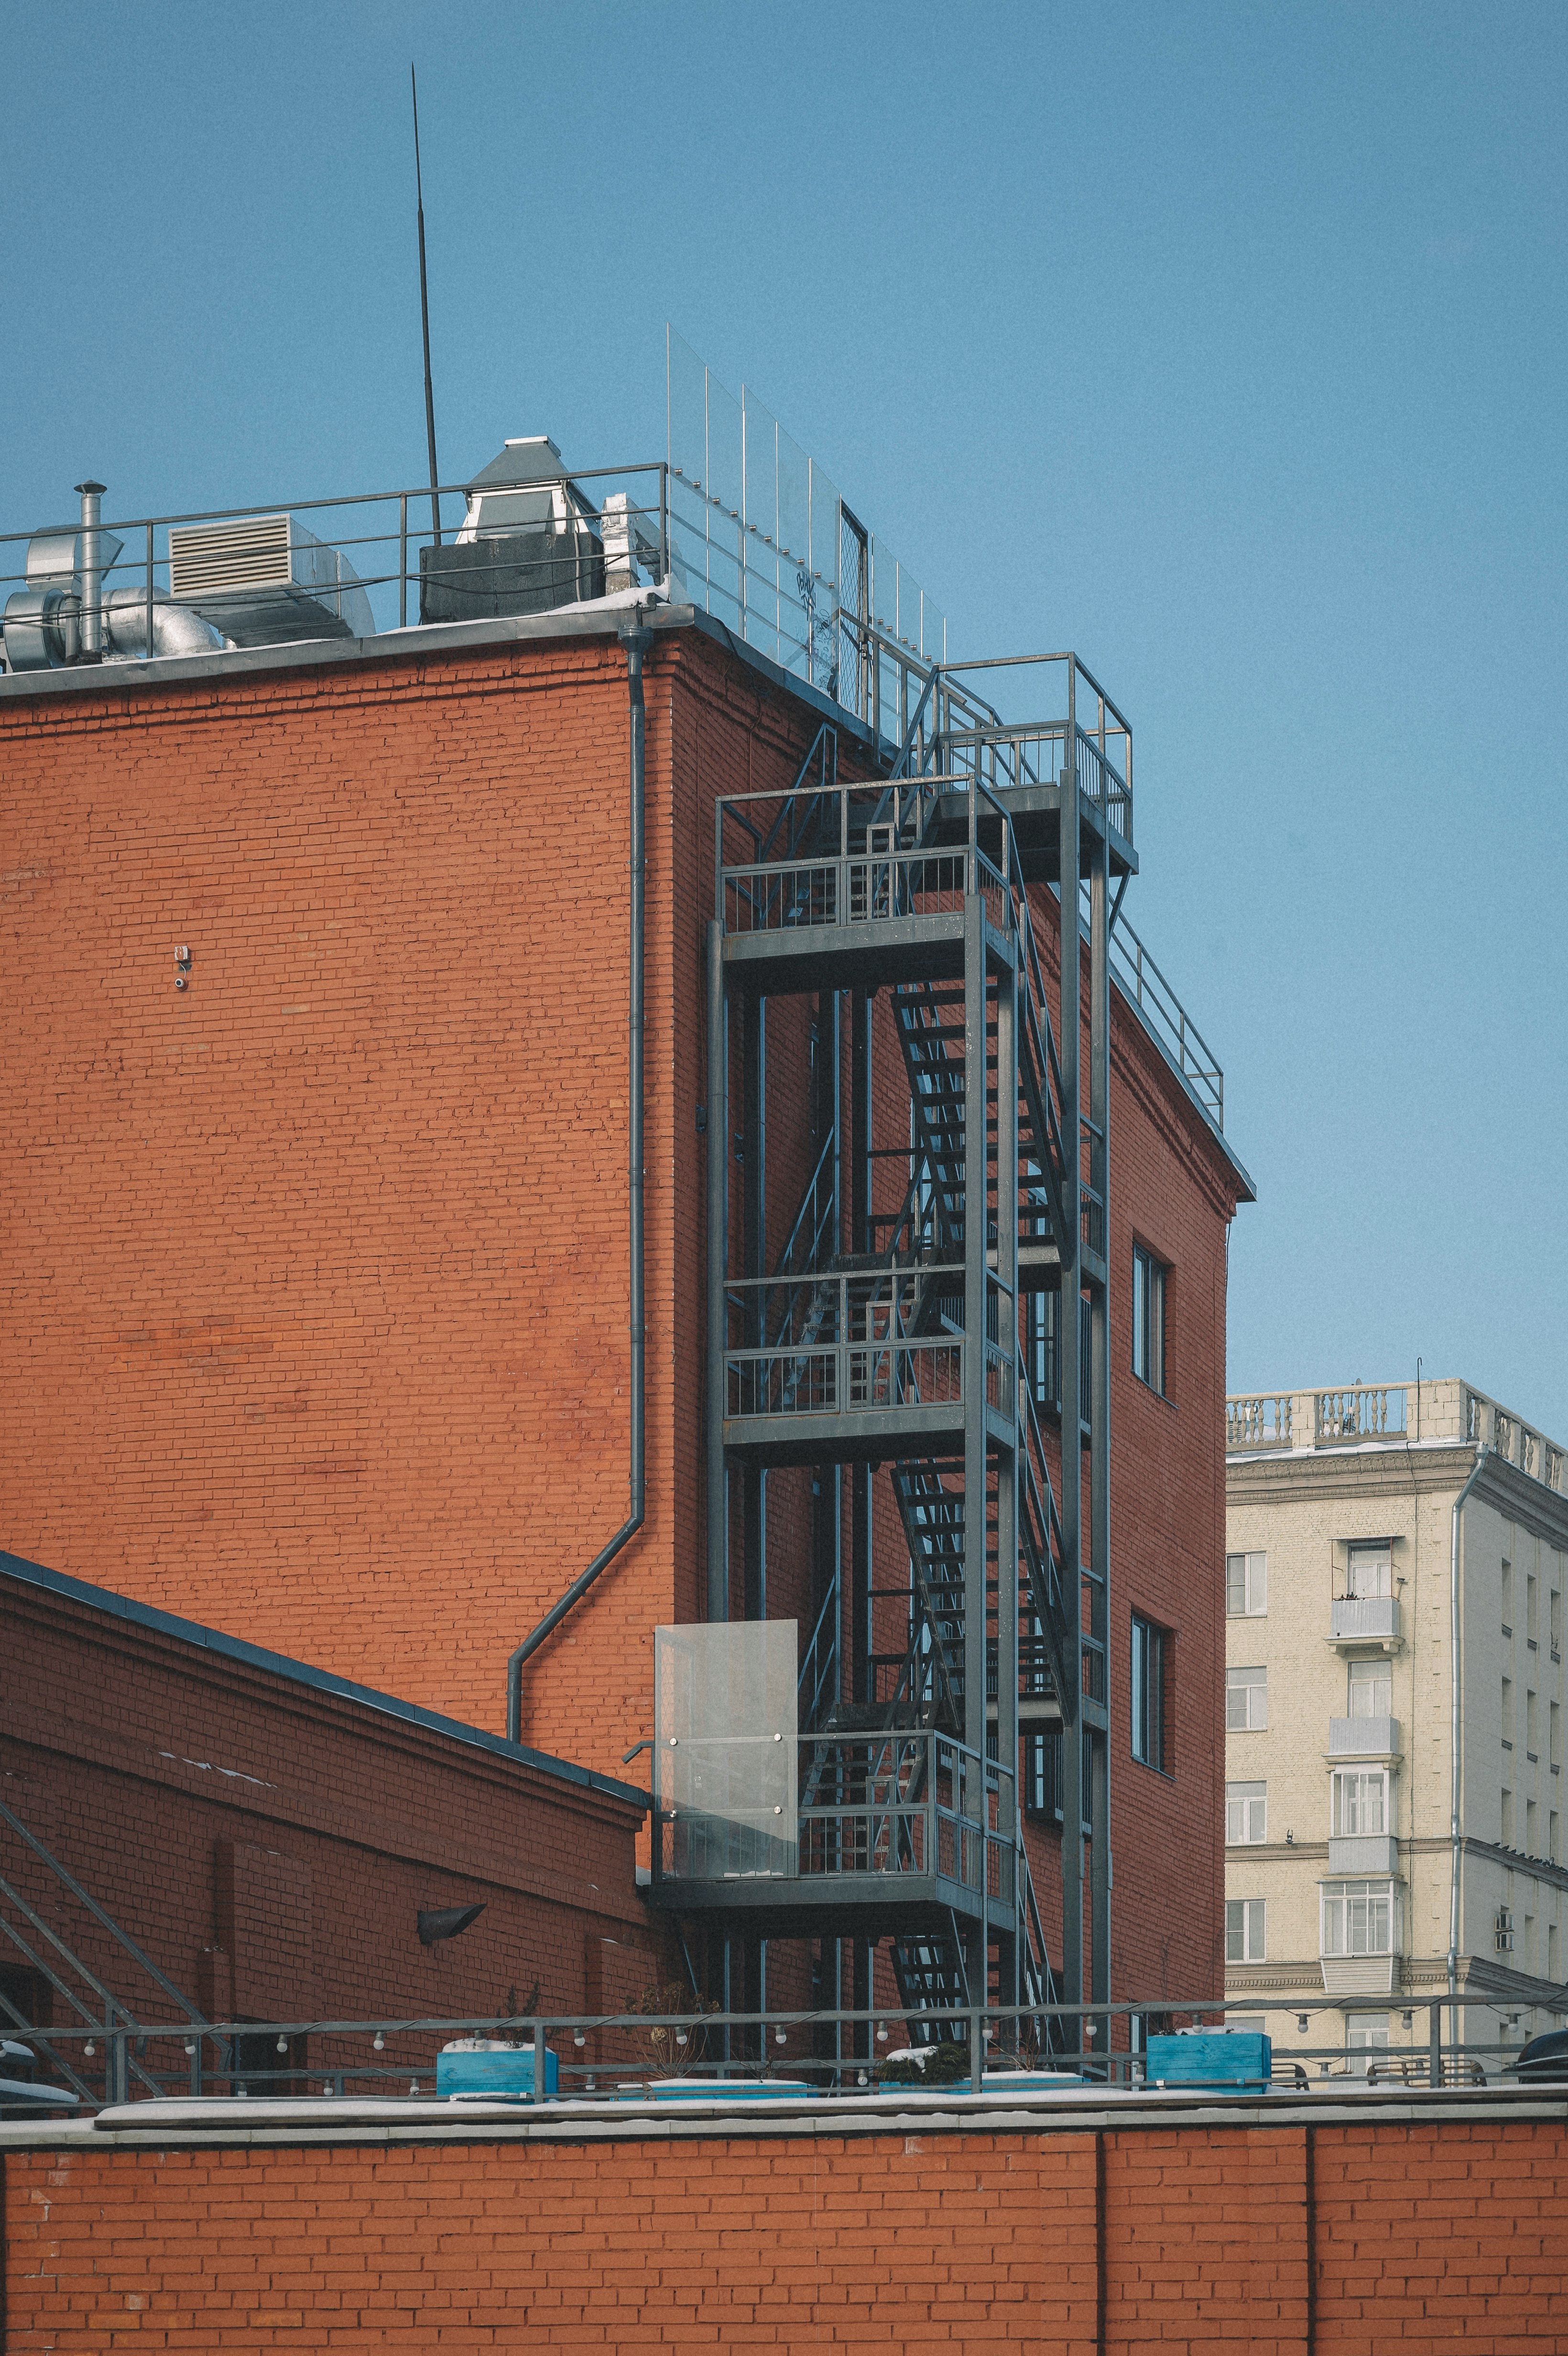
{"points": [[1148, 1319], [1044, 1331], [1556, 1626], [1554, 1737], [1532, 1728], [1246, 1700], [1507, 1814], [1531, 1828], [1368, 1569], [1245, 1929], [1507, 1596], [1508, 1713], [1246, 1813], [1360, 1802], [1042, 1772], [1246, 1586], [1372, 1689], [1531, 1610], [1366, 2035], [1552, 1951], [1358, 1918], [1554, 1838], [1149, 1730]]}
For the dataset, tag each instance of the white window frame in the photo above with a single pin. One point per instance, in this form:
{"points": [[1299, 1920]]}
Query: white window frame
{"points": [[1368, 1569], [1246, 1586], [1354, 1916], [1246, 1931], [1378, 1672], [1366, 2036], [1248, 1681], [1246, 1815], [1346, 1782]]}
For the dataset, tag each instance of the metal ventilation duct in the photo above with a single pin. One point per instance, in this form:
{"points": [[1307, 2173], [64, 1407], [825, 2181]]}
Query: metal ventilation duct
{"points": [[264, 581]]}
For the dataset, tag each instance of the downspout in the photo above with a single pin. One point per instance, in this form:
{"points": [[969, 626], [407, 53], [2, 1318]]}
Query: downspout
{"points": [[1454, 1836], [637, 642]]}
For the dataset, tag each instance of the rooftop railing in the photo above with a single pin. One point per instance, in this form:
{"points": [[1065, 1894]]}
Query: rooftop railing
{"points": [[684, 2045], [1357, 1415]]}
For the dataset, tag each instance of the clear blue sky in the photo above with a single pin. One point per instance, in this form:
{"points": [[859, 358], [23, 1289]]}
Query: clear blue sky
{"points": [[1224, 343]]}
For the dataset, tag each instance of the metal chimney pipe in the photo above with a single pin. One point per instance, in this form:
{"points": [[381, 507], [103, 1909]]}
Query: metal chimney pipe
{"points": [[91, 572]]}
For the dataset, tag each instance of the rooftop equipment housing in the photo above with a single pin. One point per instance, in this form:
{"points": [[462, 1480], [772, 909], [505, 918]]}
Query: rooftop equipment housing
{"points": [[529, 543], [264, 581]]}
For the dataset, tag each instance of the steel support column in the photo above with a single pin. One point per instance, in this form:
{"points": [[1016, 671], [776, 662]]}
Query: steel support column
{"points": [[1069, 1052]]}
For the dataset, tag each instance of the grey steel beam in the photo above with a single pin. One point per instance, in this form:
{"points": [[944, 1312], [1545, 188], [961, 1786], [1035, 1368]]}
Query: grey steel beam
{"points": [[717, 1272], [976, 1160], [1100, 1412], [1069, 1050]]}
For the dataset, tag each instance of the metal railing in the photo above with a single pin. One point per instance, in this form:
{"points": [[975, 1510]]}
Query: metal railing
{"points": [[887, 1338], [1140, 981], [839, 2051]]}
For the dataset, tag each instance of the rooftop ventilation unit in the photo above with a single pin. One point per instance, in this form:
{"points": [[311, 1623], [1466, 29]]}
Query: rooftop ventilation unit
{"points": [[264, 581], [528, 541]]}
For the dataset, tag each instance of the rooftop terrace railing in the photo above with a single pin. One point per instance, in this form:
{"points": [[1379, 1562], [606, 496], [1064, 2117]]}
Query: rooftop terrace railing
{"points": [[843, 2052], [1354, 1415]]}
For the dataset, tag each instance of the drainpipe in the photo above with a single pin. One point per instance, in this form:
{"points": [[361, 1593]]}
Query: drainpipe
{"points": [[1454, 1836], [637, 642]]}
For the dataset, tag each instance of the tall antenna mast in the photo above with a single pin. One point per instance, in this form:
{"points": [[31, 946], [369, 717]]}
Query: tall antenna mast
{"points": [[424, 322]]}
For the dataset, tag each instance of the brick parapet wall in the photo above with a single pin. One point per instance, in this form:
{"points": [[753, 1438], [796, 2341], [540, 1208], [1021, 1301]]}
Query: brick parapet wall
{"points": [[1370, 2226]]}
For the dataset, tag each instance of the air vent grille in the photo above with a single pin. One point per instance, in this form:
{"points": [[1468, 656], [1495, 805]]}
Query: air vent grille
{"points": [[251, 554]]}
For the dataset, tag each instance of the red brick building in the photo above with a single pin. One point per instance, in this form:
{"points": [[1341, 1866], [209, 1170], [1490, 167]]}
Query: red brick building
{"points": [[268, 1835], [316, 1301]]}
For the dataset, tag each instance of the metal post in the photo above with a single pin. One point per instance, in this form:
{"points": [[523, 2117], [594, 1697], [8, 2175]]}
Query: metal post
{"points": [[1100, 1407], [976, 1160], [542, 2082], [403, 561], [1008, 1580], [717, 1274], [1071, 1246], [1434, 2044], [148, 648], [754, 1265], [92, 574], [860, 1004]]}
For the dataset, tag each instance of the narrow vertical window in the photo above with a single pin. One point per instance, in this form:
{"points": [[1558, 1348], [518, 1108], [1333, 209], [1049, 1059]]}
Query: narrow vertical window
{"points": [[1246, 1930], [1150, 1731], [1246, 1586], [1148, 1319]]}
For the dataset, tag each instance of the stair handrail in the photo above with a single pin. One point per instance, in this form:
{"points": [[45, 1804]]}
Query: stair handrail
{"points": [[121, 1937]]}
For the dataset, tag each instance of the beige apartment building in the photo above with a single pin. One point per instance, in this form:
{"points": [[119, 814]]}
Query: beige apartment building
{"points": [[1366, 1527]]}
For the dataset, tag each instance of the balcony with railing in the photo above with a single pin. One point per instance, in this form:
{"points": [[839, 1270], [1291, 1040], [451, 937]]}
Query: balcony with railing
{"points": [[853, 1362], [751, 1814]]}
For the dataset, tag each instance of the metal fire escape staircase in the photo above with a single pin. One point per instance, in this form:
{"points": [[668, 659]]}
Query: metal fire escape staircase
{"points": [[898, 1343]]}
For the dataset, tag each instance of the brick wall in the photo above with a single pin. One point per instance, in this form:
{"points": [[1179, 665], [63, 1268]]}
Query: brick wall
{"points": [[1352, 2236], [269, 1845], [320, 1335]]}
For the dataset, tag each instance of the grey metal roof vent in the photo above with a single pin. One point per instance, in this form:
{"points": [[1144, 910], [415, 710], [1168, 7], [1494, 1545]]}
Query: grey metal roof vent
{"points": [[264, 581]]}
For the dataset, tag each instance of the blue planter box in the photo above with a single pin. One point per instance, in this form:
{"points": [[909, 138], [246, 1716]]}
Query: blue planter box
{"points": [[1211, 2058], [505, 2075]]}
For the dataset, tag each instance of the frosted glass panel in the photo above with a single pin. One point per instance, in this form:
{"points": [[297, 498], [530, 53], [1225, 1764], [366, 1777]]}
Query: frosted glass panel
{"points": [[724, 1750]]}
